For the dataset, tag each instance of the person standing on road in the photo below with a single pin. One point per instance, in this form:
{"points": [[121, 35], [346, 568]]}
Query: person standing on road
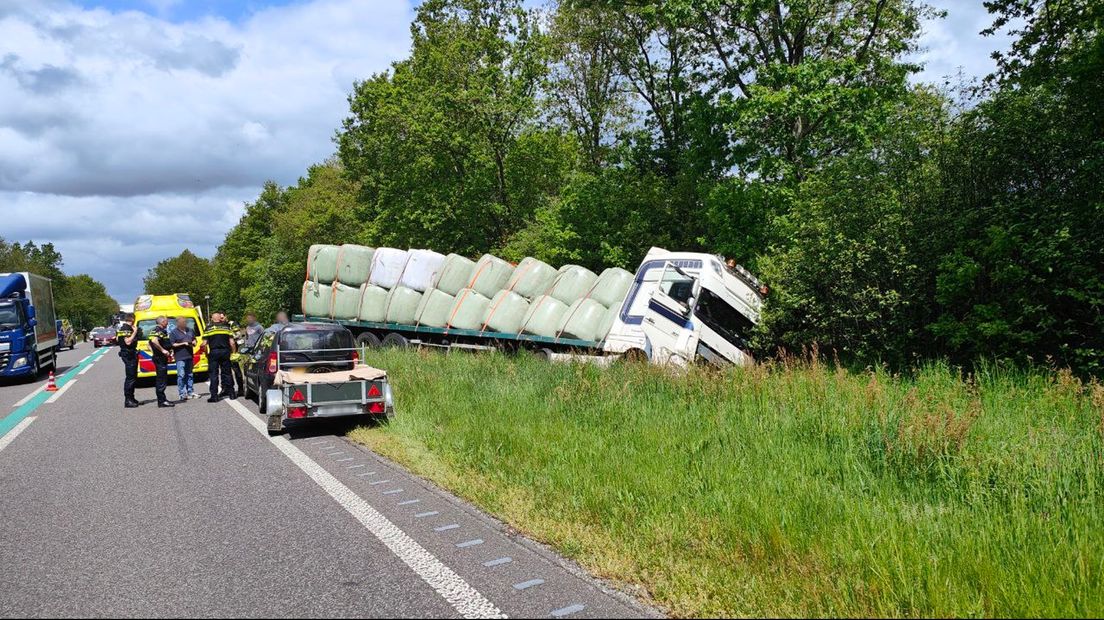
{"points": [[253, 329], [183, 340], [281, 322], [161, 352], [220, 346], [235, 357], [128, 337]]}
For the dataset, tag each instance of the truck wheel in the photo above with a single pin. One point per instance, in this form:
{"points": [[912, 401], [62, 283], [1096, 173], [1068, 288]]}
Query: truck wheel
{"points": [[395, 340], [367, 340]]}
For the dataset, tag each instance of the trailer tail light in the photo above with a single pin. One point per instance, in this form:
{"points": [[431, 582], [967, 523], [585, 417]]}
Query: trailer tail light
{"points": [[298, 402], [374, 392], [273, 363], [356, 358]]}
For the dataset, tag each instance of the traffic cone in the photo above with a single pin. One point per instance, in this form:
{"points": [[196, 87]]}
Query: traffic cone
{"points": [[51, 386]]}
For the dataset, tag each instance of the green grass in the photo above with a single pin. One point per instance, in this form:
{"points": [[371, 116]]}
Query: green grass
{"points": [[791, 490]]}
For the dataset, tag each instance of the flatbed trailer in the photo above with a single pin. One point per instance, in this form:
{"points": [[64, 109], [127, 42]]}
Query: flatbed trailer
{"points": [[371, 334]]}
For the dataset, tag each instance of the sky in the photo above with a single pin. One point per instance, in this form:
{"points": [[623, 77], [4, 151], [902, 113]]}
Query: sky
{"points": [[133, 129]]}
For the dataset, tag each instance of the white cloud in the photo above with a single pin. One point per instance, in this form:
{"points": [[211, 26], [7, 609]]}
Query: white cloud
{"points": [[118, 117], [954, 45]]}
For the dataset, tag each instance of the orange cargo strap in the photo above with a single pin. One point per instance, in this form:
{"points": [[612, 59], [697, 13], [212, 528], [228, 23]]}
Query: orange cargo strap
{"points": [[456, 307], [333, 299], [476, 276]]}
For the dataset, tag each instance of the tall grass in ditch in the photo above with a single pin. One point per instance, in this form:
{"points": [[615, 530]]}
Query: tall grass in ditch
{"points": [[796, 489]]}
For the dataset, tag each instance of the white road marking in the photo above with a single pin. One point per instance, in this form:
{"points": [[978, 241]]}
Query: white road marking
{"points": [[525, 585], [23, 400], [409, 502], [392, 492], [567, 611], [14, 432], [368, 473], [378, 482], [355, 466], [469, 543], [64, 388], [465, 599], [498, 562], [422, 515], [87, 368], [445, 528]]}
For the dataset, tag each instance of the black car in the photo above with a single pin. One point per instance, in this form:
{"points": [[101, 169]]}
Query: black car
{"points": [[314, 347]]}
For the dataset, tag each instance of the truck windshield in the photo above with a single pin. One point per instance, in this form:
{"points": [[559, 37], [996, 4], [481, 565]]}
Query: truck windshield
{"points": [[9, 316], [723, 318]]}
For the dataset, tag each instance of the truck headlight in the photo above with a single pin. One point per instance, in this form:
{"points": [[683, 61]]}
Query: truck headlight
{"points": [[19, 362]]}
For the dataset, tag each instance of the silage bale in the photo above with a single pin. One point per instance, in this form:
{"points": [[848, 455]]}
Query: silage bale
{"points": [[490, 275], [387, 267], [565, 268], [531, 278], [434, 308], [468, 310], [354, 264], [344, 301], [402, 304], [545, 313], [322, 263], [505, 312], [583, 320], [373, 303], [316, 299], [421, 265], [454, 274], [611, 287], [572, 284], [607, 322]]}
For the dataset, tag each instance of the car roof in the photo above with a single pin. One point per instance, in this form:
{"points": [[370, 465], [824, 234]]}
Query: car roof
{"points": [[314, 327]]}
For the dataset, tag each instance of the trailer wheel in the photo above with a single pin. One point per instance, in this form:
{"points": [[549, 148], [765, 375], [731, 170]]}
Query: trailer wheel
{"points": [[395, 340]]}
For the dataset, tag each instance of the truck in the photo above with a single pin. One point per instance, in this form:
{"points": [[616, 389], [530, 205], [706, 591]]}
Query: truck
{"points": [[28, 328], [682, 308]]}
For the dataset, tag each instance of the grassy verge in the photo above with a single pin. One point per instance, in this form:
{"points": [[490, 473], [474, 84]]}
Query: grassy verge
{"points": [[784, 491]]}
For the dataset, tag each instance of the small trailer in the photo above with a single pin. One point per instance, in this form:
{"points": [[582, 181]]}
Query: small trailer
{"points": [[682, 307], [299, 394]]}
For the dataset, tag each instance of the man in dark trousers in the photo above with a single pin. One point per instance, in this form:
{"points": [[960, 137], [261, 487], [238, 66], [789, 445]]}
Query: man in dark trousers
{"points": [[219, 340], [161, 351], [128, 336]]}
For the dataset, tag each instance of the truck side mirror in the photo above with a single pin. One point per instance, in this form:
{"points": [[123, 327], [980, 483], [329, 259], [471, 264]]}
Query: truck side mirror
{"points": [[31, 315], [32, 322]]}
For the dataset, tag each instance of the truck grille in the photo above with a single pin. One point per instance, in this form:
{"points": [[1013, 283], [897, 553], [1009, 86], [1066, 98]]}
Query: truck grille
{"points": [[4, 359]]}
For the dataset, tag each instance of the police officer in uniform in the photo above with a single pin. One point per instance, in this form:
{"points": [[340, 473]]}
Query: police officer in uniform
{"points": [[161, 351], [219, 340], [127, 336]]}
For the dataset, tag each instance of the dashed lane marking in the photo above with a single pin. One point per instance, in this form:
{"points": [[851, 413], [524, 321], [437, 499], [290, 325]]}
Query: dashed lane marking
{"points": [[62, 390], [445, 528], [466, 600], [567, 611], [525, 585], [498, 562], [14, 432], [378, 482], [469, 543], [409, 502], [422, 515], [393, 492]]}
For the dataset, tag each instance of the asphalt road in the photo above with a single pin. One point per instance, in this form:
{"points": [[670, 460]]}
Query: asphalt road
{"points": [[194, 511]]}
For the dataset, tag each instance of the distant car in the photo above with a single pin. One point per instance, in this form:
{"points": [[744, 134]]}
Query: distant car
{"points": [[312, 347], [103, 337]]}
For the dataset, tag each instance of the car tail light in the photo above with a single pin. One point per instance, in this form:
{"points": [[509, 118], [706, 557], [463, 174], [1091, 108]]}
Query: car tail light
{"points": [[273, 362]]}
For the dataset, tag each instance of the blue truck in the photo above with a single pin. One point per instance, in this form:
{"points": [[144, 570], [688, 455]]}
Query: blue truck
{"points": [[28, 328]]}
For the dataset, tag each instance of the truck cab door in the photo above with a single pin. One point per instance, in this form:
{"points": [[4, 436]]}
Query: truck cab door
{"points": [[667, 323]]}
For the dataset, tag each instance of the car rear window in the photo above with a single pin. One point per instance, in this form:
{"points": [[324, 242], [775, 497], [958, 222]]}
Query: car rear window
{"points": [[314, 340]]}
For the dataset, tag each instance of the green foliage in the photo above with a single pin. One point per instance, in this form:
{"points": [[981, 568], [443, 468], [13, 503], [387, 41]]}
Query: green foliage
{"points": [[80, 298], [784, 490], [184, 273]]}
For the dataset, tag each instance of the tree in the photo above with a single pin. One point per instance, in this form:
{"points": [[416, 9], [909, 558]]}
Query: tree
{"points": [[234, 266], [85, 302], [185, 273]]}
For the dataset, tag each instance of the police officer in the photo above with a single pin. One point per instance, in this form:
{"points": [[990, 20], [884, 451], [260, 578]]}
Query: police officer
{"points": [[127, 336], [161, 351], [219, 340]]}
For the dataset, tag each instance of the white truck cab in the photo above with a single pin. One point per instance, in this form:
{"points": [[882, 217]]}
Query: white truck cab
{"points": [[683, 306]]}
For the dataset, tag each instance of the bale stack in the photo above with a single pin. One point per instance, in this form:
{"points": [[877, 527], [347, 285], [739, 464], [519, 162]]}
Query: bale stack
{"points": [[423, 287]]}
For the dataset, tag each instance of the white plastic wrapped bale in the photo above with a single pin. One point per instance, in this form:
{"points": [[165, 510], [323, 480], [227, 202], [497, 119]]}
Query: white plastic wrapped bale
{"points": [[505, 312], [434, 308], [354, 264], [373, 303], [345, 301], [611, 287], [402, 304], [583, 320], [421, 265], [454, 275], [322, 263], [531, 278], [316, 299], [544, 315], [607, 323], [572, 284], [490, 275], [387, 267], [565, 268], [468, 310]]}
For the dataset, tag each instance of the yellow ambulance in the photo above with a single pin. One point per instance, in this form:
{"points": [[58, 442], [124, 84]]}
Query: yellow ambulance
{"points": [[146, 310]]}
